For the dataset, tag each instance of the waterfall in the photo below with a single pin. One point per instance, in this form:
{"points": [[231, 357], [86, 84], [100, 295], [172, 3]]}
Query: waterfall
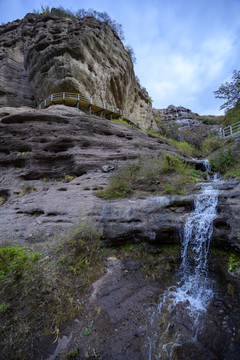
{"points": [[206, 165], [196, 238], [181, 306]]}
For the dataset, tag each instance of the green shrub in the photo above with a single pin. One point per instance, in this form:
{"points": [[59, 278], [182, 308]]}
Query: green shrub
{"points": [[185, 148], [120, 183], [154, 171], [232, 116], [36, 300], [120, 120], [210, 120], [151, 131], [82, 249], [171, 163], [234, 172], [28, 189], [233, 262], [223, 161], [190, 173], [150, 168], [45, 10], [15, 261], [210, 144]]}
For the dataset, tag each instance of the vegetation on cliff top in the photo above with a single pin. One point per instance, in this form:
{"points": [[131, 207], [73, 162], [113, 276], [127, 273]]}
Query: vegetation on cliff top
{"points": [[80, 14], [100, 16]]}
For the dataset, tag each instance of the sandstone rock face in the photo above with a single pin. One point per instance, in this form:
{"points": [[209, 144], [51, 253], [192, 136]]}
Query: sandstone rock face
{"points": [[159, 219], [227, 224], [41, 55], [15, 89], [182, 124], [51, 163]]}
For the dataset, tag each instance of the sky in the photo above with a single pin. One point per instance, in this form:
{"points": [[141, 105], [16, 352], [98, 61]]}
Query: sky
{"points": [[185, 49]]}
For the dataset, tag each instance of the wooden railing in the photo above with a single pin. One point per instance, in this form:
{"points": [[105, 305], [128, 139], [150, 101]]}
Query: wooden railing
{"points": [[230, 130], [91, 106]]}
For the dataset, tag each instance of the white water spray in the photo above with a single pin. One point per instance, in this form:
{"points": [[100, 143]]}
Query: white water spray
{"points": [[189, 299], [197, 233], [206, 165]]}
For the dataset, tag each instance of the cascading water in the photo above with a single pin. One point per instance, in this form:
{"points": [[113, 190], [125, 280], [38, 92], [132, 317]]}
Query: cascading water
{"points": [[178, 317], [206, 165], [196, 239]]}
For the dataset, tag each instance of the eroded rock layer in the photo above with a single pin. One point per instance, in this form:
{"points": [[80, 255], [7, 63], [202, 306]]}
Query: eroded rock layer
{"points": [[54, 157], [51, 165]]}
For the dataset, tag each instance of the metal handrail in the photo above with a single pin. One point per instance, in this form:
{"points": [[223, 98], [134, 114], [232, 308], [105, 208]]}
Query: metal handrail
{"points": [[88, 101], [231, 130]]}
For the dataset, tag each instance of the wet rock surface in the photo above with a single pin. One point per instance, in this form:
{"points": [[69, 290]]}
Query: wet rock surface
{"points": [[226, 224], [118, 317]]}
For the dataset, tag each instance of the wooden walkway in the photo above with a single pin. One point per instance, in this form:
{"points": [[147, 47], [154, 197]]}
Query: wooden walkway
{"points": [[230, 130], [89, 106]]}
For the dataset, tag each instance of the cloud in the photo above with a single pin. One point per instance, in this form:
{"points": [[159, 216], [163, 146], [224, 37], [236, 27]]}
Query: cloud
{"points": [[185, 62]]}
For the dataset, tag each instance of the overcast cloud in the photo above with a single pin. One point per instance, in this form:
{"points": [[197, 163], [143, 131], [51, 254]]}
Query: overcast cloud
{"points": [[185, 49]]}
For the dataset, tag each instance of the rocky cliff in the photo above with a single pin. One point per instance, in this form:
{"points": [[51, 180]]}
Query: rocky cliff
{"points": [[44, 54], [182, 124], [43, 151], [50, 157]]}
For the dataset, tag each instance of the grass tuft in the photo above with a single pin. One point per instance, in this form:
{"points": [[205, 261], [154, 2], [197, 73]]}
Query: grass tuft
{"points": [[211, 144], [166, 174], [38, 295], [223, 161], [2, 200]]}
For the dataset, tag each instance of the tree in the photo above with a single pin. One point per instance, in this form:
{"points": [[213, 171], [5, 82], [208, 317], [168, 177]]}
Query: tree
{"points": [[230, 92], [131, 53]]}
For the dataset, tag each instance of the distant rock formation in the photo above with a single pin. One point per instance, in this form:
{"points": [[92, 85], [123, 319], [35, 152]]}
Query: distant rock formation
{"points": [[182, 116], [182, 124], [44, 54]]}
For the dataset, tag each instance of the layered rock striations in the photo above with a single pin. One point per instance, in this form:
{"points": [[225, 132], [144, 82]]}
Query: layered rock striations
{"points": [[51, 163], [44, 54]]}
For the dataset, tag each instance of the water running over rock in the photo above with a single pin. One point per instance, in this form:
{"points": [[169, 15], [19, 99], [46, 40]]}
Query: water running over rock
{"points": [[181, 308]]}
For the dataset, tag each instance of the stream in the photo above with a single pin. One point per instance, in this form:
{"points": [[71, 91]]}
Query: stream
{"points": [[182, 307]]}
